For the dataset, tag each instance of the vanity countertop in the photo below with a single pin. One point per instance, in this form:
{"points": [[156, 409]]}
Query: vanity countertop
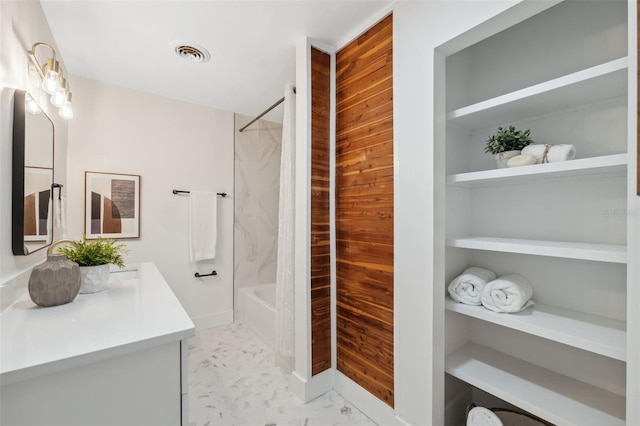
{"points": [[137, 311]]}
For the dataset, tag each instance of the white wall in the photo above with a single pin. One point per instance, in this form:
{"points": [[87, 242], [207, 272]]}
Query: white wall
{"points": [[633, 229], [257, 191], [419, 27], [171, 145], [22, 23]]}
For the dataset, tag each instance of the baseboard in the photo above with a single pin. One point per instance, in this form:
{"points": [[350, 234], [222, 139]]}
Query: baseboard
{"points": [[330, 379], [318, 385], [213, 320], [374, 408]]}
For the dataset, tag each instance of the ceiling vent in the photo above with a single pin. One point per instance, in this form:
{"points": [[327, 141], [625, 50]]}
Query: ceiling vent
{"points": [[191, 52]]}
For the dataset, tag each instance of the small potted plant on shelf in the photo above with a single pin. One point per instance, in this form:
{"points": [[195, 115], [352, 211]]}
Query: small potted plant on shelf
{"points": [[94, 258], [506, 143]]}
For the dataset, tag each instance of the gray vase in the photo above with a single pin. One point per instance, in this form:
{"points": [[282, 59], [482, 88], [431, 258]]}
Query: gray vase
{"points": [[54, 282]]}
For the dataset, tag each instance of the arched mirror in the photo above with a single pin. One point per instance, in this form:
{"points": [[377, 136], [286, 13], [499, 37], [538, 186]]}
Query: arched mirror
{"points": [[32, 206]]}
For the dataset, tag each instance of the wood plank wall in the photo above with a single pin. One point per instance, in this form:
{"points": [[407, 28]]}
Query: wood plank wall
{"points": [[364, 210], [320, 208]]}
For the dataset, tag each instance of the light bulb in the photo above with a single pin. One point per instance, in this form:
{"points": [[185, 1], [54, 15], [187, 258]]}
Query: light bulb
{"points": [[31, 106], [66, 112], [60, 96], [51, 82]]}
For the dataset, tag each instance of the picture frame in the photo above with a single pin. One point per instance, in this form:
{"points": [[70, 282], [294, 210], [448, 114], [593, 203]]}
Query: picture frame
{"points": [[111, 205]]}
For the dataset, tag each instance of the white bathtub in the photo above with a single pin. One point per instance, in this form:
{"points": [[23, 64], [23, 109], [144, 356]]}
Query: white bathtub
{"points": [[258, 311]]}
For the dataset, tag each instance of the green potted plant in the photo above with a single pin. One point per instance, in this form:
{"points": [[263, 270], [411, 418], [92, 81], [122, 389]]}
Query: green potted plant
{"points": [[506, 143], [94, 258]]}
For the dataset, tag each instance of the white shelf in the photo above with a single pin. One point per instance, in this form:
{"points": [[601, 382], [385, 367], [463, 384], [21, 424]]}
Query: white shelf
{"points": [[605, 165], [599, 83], [613, 253], [551, 396], [592, 333]]}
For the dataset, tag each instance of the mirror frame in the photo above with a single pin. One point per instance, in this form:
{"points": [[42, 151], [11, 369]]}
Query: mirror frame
{"points": [[18, 174]]}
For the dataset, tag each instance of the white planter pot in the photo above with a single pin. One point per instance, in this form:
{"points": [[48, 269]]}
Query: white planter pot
{"points": [[503, 157], [94, 278]]}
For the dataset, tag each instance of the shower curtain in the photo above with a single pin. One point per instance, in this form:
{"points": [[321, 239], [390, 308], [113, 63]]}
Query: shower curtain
{"points": [[285, 266]]}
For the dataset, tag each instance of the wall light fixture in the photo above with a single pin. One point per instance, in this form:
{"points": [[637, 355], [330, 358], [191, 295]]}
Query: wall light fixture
{"points": [[52, 81]]}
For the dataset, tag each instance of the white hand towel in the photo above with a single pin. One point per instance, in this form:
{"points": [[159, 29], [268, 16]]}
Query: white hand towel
{"points": [[480, 416], [203, 227], [467, 287], [554, 153], [60, 216], [49, 222], [510, 293]]}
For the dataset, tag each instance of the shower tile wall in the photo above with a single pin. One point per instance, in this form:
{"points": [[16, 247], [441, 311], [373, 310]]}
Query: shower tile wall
{"points": [[257, 184]]}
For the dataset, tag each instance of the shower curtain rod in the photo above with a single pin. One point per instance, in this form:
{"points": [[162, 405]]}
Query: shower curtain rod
{"points": [[265, 112]]}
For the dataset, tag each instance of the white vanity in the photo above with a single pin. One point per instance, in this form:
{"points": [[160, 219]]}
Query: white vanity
{"points": [[118, 357]]}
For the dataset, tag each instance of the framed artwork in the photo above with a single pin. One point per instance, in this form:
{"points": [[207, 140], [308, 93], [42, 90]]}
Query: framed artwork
{"points": [[111, 205], [37, 203]]}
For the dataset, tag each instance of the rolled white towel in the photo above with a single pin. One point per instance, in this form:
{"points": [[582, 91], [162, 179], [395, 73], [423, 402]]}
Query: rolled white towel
{"points": [[509, 293], [467, 287], [546, 153], [480, 416]]}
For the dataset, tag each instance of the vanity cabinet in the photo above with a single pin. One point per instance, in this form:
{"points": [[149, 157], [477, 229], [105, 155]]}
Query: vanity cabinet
{"points": [[568, 227], [118, 357]]}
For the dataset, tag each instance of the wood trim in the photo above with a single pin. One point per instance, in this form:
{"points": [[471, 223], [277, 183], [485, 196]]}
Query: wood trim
{"points": [[320, 223], [364, 211]]}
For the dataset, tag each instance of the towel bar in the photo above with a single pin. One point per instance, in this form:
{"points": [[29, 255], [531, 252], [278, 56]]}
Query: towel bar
{"points": [[179, 191], [59, 186], [198, 275]]}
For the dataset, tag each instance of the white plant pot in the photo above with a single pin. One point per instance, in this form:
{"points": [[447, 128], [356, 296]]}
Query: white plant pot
{"points": [[503, 157], [94, 278]]}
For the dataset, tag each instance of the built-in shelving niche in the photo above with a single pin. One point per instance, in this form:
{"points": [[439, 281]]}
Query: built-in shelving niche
{"points": [[563, 74]]}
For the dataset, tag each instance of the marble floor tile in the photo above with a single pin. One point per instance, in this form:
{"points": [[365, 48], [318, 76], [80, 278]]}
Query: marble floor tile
{"points": [[234, 380]]}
